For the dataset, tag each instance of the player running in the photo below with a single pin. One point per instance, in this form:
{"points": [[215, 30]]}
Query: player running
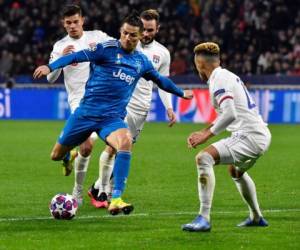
{"points": [[116, 67], [250, 138], [75, 78], [139, 105]]}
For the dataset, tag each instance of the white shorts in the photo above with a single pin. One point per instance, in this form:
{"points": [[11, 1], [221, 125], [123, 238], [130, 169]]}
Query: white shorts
{"points": [[135, 123], [242, 149], [74, 105]]}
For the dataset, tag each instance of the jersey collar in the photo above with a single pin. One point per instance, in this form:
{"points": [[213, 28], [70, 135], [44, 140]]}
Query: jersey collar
{"points": [[82, 37], [123, 51], [149, 45]]}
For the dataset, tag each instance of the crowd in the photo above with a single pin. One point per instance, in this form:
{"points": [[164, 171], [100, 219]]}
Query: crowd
{"points": [[256, 37]]}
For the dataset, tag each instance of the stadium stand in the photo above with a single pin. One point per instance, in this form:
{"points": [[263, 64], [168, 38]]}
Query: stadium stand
{"points": [[256, 37]]}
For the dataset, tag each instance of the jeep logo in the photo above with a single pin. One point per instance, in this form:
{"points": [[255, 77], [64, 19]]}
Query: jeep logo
{"points": [[127, 78]]}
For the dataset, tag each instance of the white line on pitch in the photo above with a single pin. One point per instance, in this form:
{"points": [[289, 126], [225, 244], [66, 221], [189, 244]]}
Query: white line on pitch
{"points": [[86, 217]]}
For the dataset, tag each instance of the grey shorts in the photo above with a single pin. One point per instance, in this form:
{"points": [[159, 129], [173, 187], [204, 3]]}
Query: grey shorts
{"points": [[135, 123]]}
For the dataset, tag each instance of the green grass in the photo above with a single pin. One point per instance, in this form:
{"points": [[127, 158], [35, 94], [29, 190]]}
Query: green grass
{"points": [[162, 187]]}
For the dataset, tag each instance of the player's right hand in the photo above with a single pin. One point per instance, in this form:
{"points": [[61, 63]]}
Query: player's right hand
{"points": [[188, 94], [171, 116], [68, 50], [41, 71]]}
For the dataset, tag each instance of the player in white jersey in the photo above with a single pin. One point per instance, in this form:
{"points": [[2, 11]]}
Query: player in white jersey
{"points": [[249, 139], [139, 104], [75, 77]]}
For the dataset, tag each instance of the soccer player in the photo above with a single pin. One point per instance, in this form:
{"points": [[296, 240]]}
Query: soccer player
{"points": [[75, 77], [115, 69], [139, 104], [250, 138]]}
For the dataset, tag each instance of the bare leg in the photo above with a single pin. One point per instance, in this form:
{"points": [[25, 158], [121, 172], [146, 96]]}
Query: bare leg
{"points": [[59, 151]]}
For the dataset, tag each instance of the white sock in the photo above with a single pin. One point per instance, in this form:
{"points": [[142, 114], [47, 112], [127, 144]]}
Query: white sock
{"points": [[106, 164], [206, 183], [81, 166], [247, 189]]}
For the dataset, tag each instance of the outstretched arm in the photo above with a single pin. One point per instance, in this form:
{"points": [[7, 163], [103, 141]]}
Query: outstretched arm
{"points": [[43, 70], [53, 76], [80, 56], [77, 57], [167, 84]]}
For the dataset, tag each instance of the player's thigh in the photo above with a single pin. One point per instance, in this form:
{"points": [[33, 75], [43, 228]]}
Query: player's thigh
{"points": [[210, 150], [261, 139], [120, 139], [135, 124], [75, 131], [237, 150], [116, 133]]}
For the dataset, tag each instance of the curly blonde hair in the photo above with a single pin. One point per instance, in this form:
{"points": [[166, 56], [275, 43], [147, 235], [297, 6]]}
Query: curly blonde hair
{"points": [[207, 48]]}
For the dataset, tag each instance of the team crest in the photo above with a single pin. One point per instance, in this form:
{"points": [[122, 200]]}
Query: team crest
{"points": [[156, 58], [138, 66], [92, 46], [119, 56], [51, 57]]}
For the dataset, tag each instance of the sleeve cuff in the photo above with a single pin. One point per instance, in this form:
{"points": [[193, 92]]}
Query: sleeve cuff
{"points": [[48, 65]]}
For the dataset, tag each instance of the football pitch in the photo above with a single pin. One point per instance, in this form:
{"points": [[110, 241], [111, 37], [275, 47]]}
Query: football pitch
{"points": [[161, 186]]}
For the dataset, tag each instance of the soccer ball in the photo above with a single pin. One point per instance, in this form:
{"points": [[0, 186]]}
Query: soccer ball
{"points": [[63, 206]]}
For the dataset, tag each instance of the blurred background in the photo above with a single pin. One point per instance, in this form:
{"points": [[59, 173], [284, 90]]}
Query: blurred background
{"points": [[259, 40]]}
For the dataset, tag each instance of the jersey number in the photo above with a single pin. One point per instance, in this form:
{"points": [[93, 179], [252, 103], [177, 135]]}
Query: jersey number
{"points": [[250, 102]]}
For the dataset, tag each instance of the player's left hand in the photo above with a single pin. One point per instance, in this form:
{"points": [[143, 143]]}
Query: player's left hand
{"points": [[198, 138], [41, 71], [171, 116]]}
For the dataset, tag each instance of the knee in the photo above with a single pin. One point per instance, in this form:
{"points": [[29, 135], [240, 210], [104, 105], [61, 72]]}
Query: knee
{"points": [[204, 159], [125, 142], [86, 148], [234, 173], [55, 156], [111, 151], [205, 163]]}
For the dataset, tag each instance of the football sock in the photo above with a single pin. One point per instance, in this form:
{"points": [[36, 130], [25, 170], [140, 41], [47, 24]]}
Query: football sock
{"points": [[81, 166], [206, 183], [121, 171], [247, 189], [106, 163]]}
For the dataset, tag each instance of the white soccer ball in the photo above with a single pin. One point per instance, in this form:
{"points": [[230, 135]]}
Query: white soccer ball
{"points": [[63, 206]]}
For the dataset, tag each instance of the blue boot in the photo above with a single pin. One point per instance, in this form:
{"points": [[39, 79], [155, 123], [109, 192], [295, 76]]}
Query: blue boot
{"points": [[252, 223], [199, 224]]}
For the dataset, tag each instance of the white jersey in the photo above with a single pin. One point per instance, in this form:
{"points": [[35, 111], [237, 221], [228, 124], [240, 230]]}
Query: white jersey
{"points": [[223, 84], [141, 99], [75, 75]]}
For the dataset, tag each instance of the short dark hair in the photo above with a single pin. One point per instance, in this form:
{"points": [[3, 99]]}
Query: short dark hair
{"points": [[70, 10], [134, 20], [150, 14]]}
